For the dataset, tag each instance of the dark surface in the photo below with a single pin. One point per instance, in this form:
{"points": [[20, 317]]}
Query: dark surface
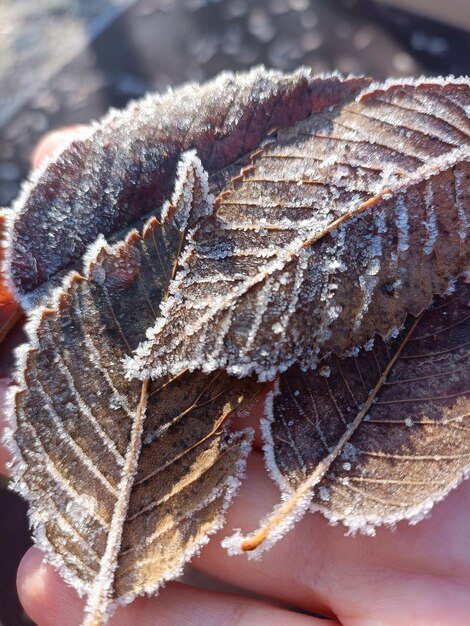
{"points": [[158, 43]]}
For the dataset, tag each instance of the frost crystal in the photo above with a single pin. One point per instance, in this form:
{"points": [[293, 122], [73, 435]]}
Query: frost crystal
{"points": [[431, 220], [401, 217]]}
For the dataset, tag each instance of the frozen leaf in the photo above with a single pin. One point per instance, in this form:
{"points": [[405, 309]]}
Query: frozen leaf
{"points": [[381, 437], [342, 225], [125, 170], [125, 479]]}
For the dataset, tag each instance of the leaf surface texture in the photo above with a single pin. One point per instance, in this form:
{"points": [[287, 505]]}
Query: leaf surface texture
{"points": [[125, 171], [376, 438], [341, 226], [125, 479]]}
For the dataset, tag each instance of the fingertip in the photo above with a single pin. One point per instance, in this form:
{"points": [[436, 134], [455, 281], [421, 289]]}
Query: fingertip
{"points": [[57, 140], [45, 597], [30, 577]]}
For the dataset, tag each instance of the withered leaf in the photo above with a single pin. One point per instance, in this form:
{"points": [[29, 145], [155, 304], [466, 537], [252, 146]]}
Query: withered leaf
{"points": [[345, 223], [375, 438], [126, 480], [125, 170]]}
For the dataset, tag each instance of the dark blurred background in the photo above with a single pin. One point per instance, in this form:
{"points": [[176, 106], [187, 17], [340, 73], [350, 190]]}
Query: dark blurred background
{"points": [[67, 61]]}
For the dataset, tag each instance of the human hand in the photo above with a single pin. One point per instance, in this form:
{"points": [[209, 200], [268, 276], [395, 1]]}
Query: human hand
{"points": [[415, 576]]}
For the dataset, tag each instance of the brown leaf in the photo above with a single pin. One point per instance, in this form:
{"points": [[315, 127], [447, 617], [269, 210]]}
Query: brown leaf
{"points": [[376, 438], [126, 480], [125, 170], [341, 226]]}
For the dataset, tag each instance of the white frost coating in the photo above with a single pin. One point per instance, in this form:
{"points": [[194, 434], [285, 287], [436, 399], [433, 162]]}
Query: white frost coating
{"points": [[263, 299], [86, 507], [18, 468], [268, 442], [136, 114], [401, 219], [367, 524], [82, 507], [21, 353], [299, 276], [368, 281], [230, 488], [390, 83], [109, 443], [381, 222], [461, 207], [18, 465], [155, 359], [329, 265], [233, 543], [189, 170], [132, 365], [349, 452], [369, 345], [104, 372], [466, 225], [453, 285], [92, 252], [431, 220], [28, 301]]}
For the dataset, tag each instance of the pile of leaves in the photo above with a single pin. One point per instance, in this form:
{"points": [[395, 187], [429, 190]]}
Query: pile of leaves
{"points": [[262, 227]]}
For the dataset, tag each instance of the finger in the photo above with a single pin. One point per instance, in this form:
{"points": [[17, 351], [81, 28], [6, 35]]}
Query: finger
{"points": [[57, 140], [287, 571], [318, 568], [49, 601]]}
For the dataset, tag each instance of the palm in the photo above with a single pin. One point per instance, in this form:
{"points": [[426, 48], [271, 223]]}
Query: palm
{"points": [[418, 575]]}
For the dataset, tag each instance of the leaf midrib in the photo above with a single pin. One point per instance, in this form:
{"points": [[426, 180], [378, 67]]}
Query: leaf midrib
{"points": [[99, 599]]}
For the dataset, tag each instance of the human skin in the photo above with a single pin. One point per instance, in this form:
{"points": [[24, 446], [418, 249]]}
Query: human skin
{"points": [[411, 576]]}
